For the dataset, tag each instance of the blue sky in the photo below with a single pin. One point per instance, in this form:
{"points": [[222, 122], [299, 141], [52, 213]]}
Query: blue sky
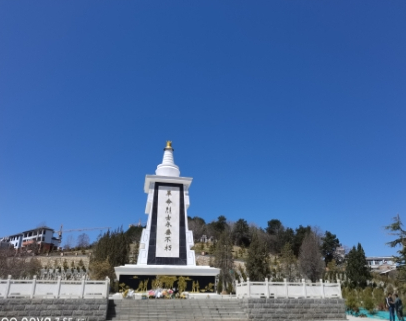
{"points": [[290, 110]]}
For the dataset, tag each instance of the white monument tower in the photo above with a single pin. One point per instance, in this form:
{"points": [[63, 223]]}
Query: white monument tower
{"points": [[165, 246]]}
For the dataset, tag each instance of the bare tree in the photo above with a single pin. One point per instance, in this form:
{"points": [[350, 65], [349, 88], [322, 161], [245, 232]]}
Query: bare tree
{"points": [[83, 240], [68, 243], [198, 226], [311, 263]]}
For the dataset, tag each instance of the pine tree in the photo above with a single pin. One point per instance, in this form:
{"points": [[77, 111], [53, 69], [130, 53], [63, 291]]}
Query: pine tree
{"points": [[112, 248], [223, 258], [276, 231], [257, 264], [288, 262], [300, 234], [329, 246], [396, 229], [357, 267], [240, 233]]}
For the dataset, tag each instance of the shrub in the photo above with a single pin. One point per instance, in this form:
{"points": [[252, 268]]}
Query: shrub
{"points": [[379, 298], [369, 304], [352, 302]]}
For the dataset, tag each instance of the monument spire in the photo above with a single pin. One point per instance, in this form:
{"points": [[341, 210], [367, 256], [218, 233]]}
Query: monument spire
{"points": [[168, 167], [166, 243]]}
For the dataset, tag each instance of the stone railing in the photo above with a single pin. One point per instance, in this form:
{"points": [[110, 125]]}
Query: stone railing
{"points": [[83, 289], [250, 289]]}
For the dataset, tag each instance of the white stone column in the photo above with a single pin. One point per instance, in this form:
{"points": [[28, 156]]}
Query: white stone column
{"points": [[322, 288], [267, 288], [82, 290], [8, 286], [58, 287], [34, 283], [286, 288], [304, 288]]}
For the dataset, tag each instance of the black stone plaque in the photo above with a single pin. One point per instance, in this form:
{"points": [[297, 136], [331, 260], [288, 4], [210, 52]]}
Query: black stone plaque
{"points": [[152, 258]]}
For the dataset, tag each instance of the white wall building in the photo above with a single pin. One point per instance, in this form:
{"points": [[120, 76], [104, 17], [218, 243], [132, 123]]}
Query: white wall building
{"points": [[381, 264], [44, 236]]}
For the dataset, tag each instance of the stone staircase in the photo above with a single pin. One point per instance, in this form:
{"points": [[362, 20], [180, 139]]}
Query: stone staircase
{"points": [[171, 310]]}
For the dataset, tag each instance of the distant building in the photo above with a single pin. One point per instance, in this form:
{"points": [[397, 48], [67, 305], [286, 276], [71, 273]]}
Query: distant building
{"points": [[4, 244], [381, 264], [43, 236], [205, 239]]}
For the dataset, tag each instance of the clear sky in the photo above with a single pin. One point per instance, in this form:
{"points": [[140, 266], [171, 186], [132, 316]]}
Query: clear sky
{"points": [[289, 110]]}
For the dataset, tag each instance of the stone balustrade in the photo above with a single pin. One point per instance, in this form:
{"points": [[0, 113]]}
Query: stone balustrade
{"points": [[82, 289], [254, 289]]}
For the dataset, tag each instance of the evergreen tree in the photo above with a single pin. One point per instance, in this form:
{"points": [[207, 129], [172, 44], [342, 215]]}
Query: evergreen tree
{"points": [[241, 233], [134, 233], [288, 263], [223, 258], [333, 269], [311, 263], [288, 236], [276, 231], [257, 264], [275, 227], [216, 228], [112, 247], [357, 267], [396, 229], [298, 238], [329, 246]]}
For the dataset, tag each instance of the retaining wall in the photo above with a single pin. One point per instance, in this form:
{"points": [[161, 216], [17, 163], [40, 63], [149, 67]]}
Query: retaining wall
{"points": [[294, 309], [52, 309]]}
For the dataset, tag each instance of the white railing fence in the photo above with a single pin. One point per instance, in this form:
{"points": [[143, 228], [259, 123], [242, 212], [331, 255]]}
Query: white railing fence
{"points": [[83, 289], [250, 289]]}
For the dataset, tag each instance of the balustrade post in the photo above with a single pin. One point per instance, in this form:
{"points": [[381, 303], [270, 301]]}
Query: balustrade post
{"points": [[58, 287], [34, 282], [8, 286], [322, 288], [82, 290], [107, 286], [340, 295], [267, 288], [236, 288], [248, 287], [286, 288], [304, 288]]}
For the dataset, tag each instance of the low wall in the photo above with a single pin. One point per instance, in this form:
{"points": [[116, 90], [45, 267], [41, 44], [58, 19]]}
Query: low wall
{"points": [[294, 309], [254, 289], [52, 309], [52, 261], [57, 289]]}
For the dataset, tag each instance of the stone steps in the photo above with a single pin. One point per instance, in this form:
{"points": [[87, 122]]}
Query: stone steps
{"points": [[196, 310]]}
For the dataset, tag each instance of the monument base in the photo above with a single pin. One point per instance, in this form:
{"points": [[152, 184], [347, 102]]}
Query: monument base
{"points": [[197, 279]]}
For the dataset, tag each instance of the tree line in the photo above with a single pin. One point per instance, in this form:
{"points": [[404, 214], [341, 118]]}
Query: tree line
{"points": [[274, 252], [275, 235], [278, 252]]}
